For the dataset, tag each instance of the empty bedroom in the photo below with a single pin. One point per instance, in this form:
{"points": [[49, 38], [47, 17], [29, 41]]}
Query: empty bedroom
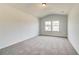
{"points": [[39, 29]]}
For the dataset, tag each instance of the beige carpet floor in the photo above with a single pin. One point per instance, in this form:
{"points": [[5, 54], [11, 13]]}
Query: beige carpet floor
{"points": [[41, 45]]}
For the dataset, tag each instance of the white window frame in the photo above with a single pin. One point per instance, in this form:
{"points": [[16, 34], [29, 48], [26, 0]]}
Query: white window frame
{"points": [[52, 25], [48, 26], [55, 25]]}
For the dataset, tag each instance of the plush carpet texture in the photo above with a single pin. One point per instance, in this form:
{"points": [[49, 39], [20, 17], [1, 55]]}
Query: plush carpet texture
{"points": [[41, 45]]}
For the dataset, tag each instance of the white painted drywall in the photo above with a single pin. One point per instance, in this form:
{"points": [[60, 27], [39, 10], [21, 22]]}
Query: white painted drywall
{"points": [[53, 17], [73, 27], [16, 26]]}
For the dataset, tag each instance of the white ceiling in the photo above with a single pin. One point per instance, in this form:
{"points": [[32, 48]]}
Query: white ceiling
{"points": [[36, 9]]}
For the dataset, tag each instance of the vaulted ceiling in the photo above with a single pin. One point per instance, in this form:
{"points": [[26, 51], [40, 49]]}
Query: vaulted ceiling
{"points": [[36, 9]]}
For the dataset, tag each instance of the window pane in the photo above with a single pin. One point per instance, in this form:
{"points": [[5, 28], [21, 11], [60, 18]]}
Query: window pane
{"points": [[47, 25], [47, 22], [55, 26], [47, 28], [56, 22]]}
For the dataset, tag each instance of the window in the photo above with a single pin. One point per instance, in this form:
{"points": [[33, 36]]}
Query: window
{"points": [[47, 25], [55, 26], [52, 26]]}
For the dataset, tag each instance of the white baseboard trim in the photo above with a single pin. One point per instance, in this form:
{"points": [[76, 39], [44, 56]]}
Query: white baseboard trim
{"points": [[74, 47], [18, 42]]}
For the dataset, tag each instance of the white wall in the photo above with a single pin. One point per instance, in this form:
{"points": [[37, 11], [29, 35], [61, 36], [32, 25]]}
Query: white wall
{"points": [[16, 26], [53, 17], [73, 27]]}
